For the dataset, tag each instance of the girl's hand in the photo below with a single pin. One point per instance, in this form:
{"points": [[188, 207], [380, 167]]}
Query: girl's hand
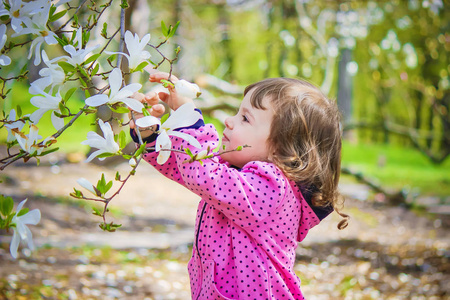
{"points": [[156, 110], [172, 99]]}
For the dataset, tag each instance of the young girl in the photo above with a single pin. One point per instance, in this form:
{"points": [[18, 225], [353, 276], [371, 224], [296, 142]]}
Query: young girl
{"points": [[259, 202]]}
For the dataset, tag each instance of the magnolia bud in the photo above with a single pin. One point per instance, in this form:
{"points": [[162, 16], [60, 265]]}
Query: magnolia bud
{"points": [[132, 162], [186, 89]]}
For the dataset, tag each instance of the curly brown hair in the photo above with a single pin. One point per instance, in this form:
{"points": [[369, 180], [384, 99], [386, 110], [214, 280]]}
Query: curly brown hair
{"points": [[305, 137]]}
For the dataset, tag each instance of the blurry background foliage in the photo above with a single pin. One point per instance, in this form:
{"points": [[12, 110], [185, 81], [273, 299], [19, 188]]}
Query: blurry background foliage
{"points": [[386, 63]]}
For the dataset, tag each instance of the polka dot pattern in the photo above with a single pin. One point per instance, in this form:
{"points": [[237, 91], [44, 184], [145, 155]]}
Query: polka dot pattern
{"points": [[247, 227]]}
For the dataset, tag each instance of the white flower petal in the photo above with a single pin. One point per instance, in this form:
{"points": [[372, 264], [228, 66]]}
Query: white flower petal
{"points": [[186, 89], [115, 81], [86, 184], [133, 104], [163, 141], [31, 218], [186, 137], [57, 122], [163, 156], [29, 239], [97, 100], [14, 243], [147, 121], [37, 115], [184, 116]]}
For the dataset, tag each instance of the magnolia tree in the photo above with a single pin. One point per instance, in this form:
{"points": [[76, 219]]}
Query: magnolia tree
{"points": [[47, 26]]}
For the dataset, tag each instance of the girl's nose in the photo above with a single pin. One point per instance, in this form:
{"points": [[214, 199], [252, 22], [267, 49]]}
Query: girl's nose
{"points": [[228, 123]]}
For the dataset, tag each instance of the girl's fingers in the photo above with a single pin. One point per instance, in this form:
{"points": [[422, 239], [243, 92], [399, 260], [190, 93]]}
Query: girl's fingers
{"points": [[163, 96], [157, 110], [151, 98]]}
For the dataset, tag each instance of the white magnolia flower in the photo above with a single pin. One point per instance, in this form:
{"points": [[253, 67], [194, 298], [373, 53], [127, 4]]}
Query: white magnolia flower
{"points": [[20, 11], [105, 144], [184, 116], [37, 26], [52, 76], [135, 48], [14, 125], [44, 103], [118, 94], [21, 231], [186, 89], [4, 60], [78, 54], [30, 142], [87, 185]]}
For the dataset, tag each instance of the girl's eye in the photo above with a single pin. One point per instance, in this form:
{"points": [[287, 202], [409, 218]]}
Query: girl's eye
{"points": [[244, 118]]}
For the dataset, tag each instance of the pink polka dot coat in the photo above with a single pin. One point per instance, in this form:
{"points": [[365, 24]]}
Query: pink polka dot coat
{"points": [[248, 224]]}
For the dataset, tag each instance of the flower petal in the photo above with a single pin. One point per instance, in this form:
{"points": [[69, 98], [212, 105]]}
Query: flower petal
{"points": [[163, 142], [86, 184], [57, 122], [97, 100], [163, 156], [29, 238], [115, 81], [184, 116], [94, 154], [147, 121], [186, 137], [134, 104], [14, 243], [31, 218]]}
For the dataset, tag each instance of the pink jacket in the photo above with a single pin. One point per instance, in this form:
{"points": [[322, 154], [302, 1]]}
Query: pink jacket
{"points": [[248, 224]]}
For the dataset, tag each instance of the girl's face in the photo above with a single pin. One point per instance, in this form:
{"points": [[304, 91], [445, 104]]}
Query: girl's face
{"points": [[250, 126]]}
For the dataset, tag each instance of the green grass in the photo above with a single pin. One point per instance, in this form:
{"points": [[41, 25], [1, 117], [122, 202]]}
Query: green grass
{"points": [[70, 140], [398, 167]]}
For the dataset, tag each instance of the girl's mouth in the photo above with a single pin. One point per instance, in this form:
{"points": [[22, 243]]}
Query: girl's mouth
{"points": [[225, 138]]}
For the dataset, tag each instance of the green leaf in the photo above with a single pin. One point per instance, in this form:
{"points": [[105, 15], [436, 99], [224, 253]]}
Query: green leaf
{"points": [[83, 83], [83, 72], [23, 211], [173, 29], [92, 58], [63, 109], [104, 32], [66, 67], [69, 94], [75, 20], [124, 4], [117, 176], [166, 83], [164, 29], [96, 211], [122, 139], [49, 151], [140, 67], [57, 16], [188, 152], [76, 193], [95, 70], [6, 205], [18, 111], [120, 109], [127, 156], [140, 150], [164, 118], [145, 112], [104, 155]]}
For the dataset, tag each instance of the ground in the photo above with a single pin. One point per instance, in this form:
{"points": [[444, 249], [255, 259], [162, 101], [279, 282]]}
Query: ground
{"points": [[385, 253]]}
